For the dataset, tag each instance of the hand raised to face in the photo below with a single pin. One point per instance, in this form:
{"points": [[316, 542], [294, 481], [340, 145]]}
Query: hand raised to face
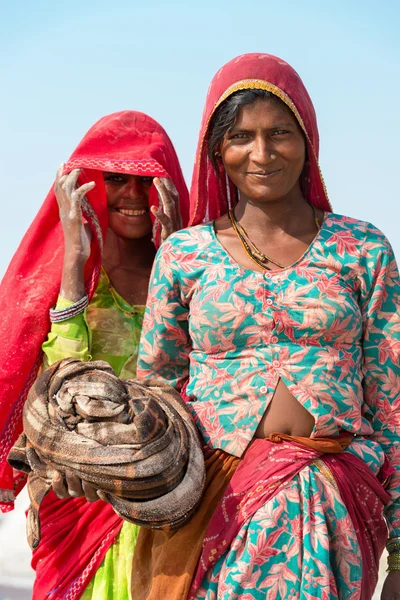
{"points": [[69, 197], [167, 215]]}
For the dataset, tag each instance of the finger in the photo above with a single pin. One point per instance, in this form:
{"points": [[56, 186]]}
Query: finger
{"points": [[174, 198], [160, 215], [166, 200], [60, 178], [169, 185], [59, 172], [74, 485], [90, 492], [80, 192], [58, 485], [166, 223], [102, 495], [7, 496], [69, 184]]}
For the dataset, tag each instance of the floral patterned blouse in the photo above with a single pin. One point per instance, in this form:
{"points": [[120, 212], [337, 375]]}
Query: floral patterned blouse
{"points": [[328, 326]]}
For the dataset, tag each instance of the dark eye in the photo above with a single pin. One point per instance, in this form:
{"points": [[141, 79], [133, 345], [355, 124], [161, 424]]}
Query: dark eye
{"points": [[238, 136], [147, 180], [114, 178], [281, 132]]}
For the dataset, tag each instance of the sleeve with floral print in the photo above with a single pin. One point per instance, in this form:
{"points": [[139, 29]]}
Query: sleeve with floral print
{"points": [[381, 348], [165, 343]]}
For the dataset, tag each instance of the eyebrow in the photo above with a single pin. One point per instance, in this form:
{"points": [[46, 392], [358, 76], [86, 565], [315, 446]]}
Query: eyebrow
{"points": [[277, 126]]}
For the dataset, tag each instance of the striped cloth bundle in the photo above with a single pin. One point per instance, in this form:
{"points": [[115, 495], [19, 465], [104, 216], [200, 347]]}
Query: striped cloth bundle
{"points": [[135, 441]]}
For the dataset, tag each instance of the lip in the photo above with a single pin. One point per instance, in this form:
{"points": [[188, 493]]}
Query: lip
{"points": [[264, 174]]}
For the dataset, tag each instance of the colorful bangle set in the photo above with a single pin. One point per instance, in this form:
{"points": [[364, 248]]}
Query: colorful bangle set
{"points": [[393, 548], [56, 316]]}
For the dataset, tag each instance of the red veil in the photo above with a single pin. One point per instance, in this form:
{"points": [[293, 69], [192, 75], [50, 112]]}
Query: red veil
{"points": [[211, 195], [123, 142]]}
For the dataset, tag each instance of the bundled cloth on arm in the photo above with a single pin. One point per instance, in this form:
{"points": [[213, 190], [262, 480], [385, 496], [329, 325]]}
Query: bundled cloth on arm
{"points": [[134, 441]]}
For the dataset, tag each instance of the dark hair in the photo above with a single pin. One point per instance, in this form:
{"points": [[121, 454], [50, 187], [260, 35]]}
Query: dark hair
{"points": [[226, 114]]}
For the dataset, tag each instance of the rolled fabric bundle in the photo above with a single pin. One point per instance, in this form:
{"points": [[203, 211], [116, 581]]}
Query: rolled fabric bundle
{"points": [[135, 441]]}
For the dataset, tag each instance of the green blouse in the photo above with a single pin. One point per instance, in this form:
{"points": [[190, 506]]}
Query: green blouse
{"points": [[108, 330]]}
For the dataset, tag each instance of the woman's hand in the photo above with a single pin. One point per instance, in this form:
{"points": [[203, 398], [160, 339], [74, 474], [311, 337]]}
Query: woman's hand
{"points": [[69, 199], [77, 234], [7, 496], [168, 215], [73, 487], [391, 587]]}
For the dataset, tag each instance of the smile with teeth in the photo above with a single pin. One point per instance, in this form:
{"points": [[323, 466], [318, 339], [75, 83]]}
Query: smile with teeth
{"points": [[130, 212]]}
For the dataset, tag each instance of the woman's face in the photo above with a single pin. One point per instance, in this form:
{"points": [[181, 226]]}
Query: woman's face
{"points": [[128, 204], [264, 152]]}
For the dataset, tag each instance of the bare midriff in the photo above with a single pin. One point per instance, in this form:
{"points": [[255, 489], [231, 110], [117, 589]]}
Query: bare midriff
{"points": [[285, 414]]}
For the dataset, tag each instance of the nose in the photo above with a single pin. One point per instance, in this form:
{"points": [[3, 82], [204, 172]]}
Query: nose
{"points": [[133, 188], [261, 150]]}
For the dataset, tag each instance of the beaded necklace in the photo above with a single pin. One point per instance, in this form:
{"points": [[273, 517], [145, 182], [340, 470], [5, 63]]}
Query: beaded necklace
{"points": [[258, 257]]}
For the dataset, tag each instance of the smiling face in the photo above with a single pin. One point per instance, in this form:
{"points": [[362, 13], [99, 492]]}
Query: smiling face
{"points": [[264, 152], [128, 204]]}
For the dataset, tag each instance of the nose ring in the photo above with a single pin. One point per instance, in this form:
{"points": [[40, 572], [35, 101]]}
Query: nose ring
{"points": [[273, 156]]}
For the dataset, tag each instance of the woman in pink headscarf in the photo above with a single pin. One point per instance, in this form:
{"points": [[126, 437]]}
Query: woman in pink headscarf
{"points": [[84, 264], [282, 333]]}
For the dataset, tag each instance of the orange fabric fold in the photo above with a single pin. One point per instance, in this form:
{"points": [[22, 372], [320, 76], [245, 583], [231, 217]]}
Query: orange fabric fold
{"points": [[164, 562], [326, 445]]}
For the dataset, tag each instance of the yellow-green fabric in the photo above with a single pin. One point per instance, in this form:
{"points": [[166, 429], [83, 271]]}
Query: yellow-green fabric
{"points": [[108, 330], [68, 338], [112, 580]]}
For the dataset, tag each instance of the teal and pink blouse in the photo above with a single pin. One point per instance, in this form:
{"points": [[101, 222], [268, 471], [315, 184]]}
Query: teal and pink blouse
{"points": [[328, 326]]}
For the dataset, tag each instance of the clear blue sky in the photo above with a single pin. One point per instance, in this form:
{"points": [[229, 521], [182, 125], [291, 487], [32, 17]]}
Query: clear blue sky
{"points": [[64, 65]]}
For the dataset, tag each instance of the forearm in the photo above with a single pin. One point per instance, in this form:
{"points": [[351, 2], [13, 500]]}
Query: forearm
{"points": [[72, 281]]}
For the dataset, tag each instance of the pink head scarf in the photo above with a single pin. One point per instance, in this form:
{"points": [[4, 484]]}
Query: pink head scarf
{"points": [[212, 195]]}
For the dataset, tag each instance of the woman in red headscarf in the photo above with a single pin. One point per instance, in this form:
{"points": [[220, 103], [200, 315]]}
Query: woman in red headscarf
{"points": [[92, 245], [282, 333]]}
